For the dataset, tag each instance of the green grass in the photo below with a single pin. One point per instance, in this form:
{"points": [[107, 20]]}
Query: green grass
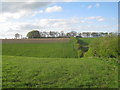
{"points": [[0, 72], [54, 65], [33, 72], [84, 45], [59, 50], [85, 41]]}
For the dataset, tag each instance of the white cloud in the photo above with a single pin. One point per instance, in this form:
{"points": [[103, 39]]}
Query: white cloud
{"points": [[97, 5], [48, 10], [15, 15], [18, 10], [2, 18], [53, 9], [37, 12], [8, 29], [98, 18], [13, 7], [90, 6], [101, 19]]}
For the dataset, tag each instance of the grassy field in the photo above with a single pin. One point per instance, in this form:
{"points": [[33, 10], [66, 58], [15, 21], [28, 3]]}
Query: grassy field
{"points": [[59, 50], [85, 41], [33, 72], [54, 65]]}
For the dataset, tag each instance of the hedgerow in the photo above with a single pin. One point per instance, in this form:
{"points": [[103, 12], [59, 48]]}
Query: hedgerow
{"points": [[104, 47]]}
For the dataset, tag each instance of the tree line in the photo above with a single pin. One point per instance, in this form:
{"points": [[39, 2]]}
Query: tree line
{"points": [[54, 34]]}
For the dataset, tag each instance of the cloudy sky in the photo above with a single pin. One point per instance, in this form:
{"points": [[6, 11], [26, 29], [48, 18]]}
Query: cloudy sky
{"points": [[22, 17]]}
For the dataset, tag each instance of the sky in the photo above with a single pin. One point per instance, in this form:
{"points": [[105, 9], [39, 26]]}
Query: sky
{"points": [[22, 17]]}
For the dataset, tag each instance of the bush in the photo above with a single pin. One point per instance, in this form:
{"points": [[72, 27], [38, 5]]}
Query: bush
{"points": [[104, 47], [77, 46], [94, 48], [80, 53]]}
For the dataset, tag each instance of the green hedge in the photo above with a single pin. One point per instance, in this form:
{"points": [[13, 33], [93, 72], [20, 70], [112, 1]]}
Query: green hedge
{"points": [[104, 47], [76, 46]]}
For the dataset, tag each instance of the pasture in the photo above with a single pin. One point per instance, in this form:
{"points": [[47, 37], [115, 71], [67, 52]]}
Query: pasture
{"points": [[33, 72], [38, 64], [53, 50], [40, 48], [41, 40], [86, 41]]}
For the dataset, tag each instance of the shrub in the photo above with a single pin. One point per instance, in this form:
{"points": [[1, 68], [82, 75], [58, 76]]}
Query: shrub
{"points": [[104, 47], [80, 53]]}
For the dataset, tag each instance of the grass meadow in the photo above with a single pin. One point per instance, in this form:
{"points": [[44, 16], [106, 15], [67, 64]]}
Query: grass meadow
{"points": [[55, 65], [52, 50], [33, 72], [85, 41]]}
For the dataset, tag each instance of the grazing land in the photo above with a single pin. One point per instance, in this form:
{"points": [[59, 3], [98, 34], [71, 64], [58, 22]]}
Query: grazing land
{"points": [[32, 72], [41, 40], [53, 48], [85, 41], [55, 65]]}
